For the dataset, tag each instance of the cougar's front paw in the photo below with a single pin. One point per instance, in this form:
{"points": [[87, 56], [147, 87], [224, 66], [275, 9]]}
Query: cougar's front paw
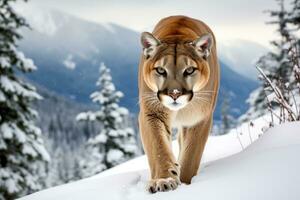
{"points": [[165, 184], [162, 185]]}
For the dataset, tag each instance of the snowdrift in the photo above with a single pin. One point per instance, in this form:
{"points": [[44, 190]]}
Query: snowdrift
{"points": [[269, 168]]}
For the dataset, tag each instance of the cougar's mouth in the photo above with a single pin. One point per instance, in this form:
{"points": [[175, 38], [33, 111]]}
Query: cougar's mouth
{"points": [[175, 100]]}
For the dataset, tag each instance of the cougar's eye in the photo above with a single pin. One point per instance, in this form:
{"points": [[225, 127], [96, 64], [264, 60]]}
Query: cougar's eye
{"points": [[189, 71], [161, 71]]}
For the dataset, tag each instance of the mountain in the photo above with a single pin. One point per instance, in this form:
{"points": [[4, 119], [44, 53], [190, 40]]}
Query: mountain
{"points": [[236, 88], [68, 57], [69, 50], [241, 56]]}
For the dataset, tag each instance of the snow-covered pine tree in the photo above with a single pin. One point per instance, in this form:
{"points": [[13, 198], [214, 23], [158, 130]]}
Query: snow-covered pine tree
{"points": [[294, 21], [23, 157], [275, 64], [115, 143], [294, 14], [64, 166]]}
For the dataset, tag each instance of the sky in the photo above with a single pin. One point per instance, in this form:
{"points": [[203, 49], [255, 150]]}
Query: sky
{"points": [[230, 19]]}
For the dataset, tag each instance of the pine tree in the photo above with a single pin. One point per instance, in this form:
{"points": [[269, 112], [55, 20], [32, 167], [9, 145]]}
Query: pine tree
{"points": [[275, 64], [115, 143], [294, 22], [23, 157], [294, 14], [77, 173], [227, 120]]}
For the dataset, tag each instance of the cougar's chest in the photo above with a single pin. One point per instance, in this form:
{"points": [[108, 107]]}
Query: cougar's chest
{"points": [[188, 116]]}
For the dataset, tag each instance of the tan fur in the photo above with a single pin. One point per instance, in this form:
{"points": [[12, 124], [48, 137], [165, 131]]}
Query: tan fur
{"points": [[193, 121]]}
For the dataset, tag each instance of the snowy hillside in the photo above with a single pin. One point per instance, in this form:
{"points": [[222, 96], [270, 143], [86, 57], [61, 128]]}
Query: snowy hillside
{"points": [[267, 169]]}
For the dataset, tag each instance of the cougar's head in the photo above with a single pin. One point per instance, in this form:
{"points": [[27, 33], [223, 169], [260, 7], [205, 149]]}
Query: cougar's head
{"points": [[175, 72]]}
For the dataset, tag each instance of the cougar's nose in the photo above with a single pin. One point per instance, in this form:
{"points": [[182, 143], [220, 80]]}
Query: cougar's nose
{"points": [[174, 93]]}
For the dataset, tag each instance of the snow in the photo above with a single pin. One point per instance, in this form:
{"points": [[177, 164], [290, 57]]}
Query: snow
{"points": [[29, 150], [4, 62], [6, 131], [42, 151], [20, 135], [28, 64], [114, 155], [271, 97], [109, 27], [40, 18], [2, 97], [101, 138], [9, 85], [123, 111], [113, 133], [266, 169], [10, 185], [6, 84], [69, 62], [2, 147], [84, 116]]}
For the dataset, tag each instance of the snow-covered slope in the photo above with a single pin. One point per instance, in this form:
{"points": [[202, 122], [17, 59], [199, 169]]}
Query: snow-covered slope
{"points": [[267, 169]]}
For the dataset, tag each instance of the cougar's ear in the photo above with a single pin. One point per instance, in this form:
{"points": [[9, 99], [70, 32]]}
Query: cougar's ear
{"points": [[149, 43], [203, 45]]}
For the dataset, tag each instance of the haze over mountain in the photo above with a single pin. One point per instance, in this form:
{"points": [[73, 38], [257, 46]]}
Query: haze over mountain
{"points": [[241, 56], [69, 50]]}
